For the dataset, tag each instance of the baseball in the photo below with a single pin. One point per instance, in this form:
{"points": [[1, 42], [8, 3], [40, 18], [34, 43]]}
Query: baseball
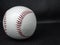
{"points": [[19, 22]]}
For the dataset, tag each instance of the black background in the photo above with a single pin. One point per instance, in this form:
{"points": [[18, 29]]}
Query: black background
{"points": [[47, 12]]}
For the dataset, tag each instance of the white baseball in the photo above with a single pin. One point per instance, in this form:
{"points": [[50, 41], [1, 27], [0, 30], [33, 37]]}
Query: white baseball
{"points": [[19, 22]]}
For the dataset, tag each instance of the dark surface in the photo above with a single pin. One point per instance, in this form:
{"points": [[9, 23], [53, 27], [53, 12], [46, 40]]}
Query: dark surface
{"points": [[47, 33]]}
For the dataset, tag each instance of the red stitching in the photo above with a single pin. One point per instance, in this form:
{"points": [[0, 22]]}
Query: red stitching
{"points": [[19, 21], [4, 21]]}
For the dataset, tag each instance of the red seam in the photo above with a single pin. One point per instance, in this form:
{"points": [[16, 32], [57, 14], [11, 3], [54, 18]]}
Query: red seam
{"points": [[19, 21], [4, 21]]}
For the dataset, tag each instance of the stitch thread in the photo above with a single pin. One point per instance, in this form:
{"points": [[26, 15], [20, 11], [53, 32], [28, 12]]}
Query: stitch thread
{"points": [[19, 22], [4, 21]]}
